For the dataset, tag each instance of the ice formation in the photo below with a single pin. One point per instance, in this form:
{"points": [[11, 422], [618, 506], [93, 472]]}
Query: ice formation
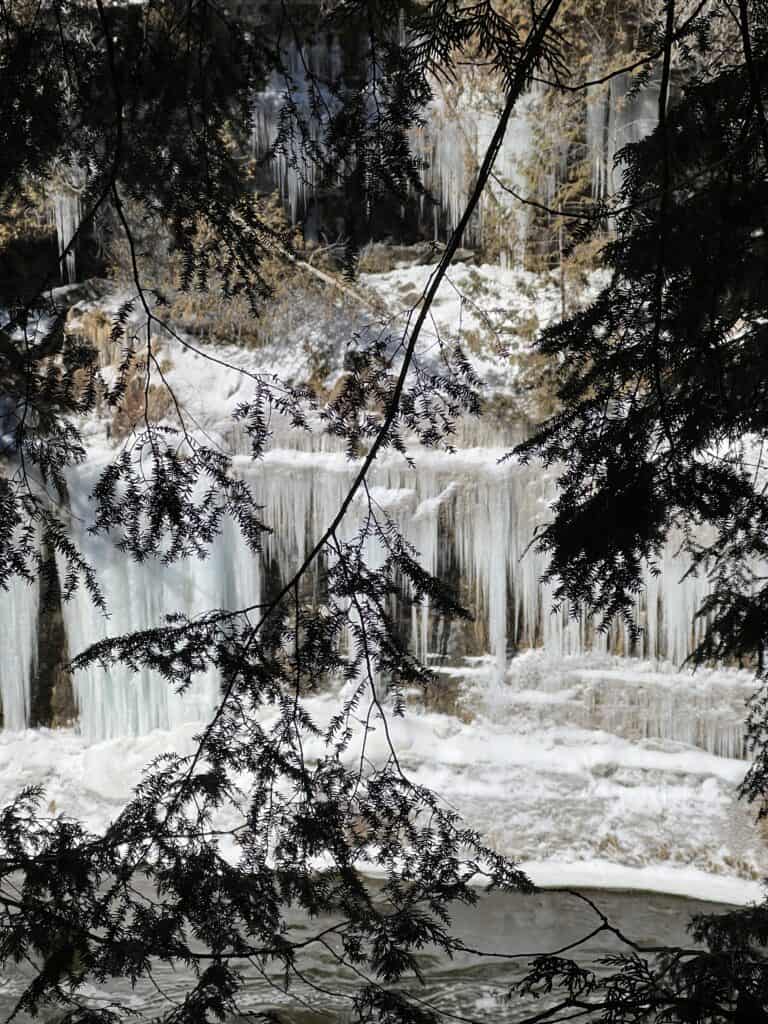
{"points": [[470, 517], [451, 146], [18, 644], [297, 100], [616, 116], [67, 215], [466, 515], [451, 141], [117, 702], [609, 758]]}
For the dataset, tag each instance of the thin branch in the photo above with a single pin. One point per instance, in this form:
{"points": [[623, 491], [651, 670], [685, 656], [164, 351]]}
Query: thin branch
{"points": [[660, 277], [527, 201], [647, 58]]}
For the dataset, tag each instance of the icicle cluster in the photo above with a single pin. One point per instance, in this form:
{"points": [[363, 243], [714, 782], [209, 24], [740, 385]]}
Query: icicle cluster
{"points": [[451, 146], [469, 518], [617, 116], [304, 87], [451, 142]]}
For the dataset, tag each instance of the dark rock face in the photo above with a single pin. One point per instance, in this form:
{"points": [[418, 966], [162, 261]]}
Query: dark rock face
{"points": [[52, 698]]}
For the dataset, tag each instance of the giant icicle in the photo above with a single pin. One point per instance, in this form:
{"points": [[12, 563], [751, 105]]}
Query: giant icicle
{"points": [[67, 215], [18, 647]]}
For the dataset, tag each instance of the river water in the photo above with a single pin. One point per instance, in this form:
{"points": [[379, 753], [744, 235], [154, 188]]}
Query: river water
{"points": [[469, 988]]}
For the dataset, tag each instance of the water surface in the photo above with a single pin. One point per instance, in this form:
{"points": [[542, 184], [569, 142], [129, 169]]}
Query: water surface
{"points": [[468, 988]]}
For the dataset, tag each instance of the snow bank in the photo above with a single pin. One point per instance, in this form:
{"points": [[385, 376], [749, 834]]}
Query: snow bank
{"points": [[573, 805]]}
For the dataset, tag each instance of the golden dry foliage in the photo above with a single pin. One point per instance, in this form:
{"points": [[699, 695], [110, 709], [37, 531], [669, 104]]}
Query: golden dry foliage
{"points": [[140, 405], [23, 215], [204, 309]]}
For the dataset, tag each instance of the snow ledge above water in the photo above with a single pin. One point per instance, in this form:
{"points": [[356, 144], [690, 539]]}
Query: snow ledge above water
{"points": [[602, 874]]}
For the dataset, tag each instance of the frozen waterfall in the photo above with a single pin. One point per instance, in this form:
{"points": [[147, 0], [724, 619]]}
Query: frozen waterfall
{"points": [[470, 518], [289, 115], [617, 115]]}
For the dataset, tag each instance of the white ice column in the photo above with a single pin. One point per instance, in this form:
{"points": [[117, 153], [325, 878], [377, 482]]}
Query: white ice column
{"points": [[681, 595], [482, 537], [117, 701], [18, 650], [67, 214]]}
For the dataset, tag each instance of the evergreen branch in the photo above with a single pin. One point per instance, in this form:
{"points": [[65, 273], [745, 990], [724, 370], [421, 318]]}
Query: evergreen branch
{"points": [[754, 81]]}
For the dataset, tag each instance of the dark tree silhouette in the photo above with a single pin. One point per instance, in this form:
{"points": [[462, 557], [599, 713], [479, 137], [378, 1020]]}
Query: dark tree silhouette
{"points": [[661, 427]]}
